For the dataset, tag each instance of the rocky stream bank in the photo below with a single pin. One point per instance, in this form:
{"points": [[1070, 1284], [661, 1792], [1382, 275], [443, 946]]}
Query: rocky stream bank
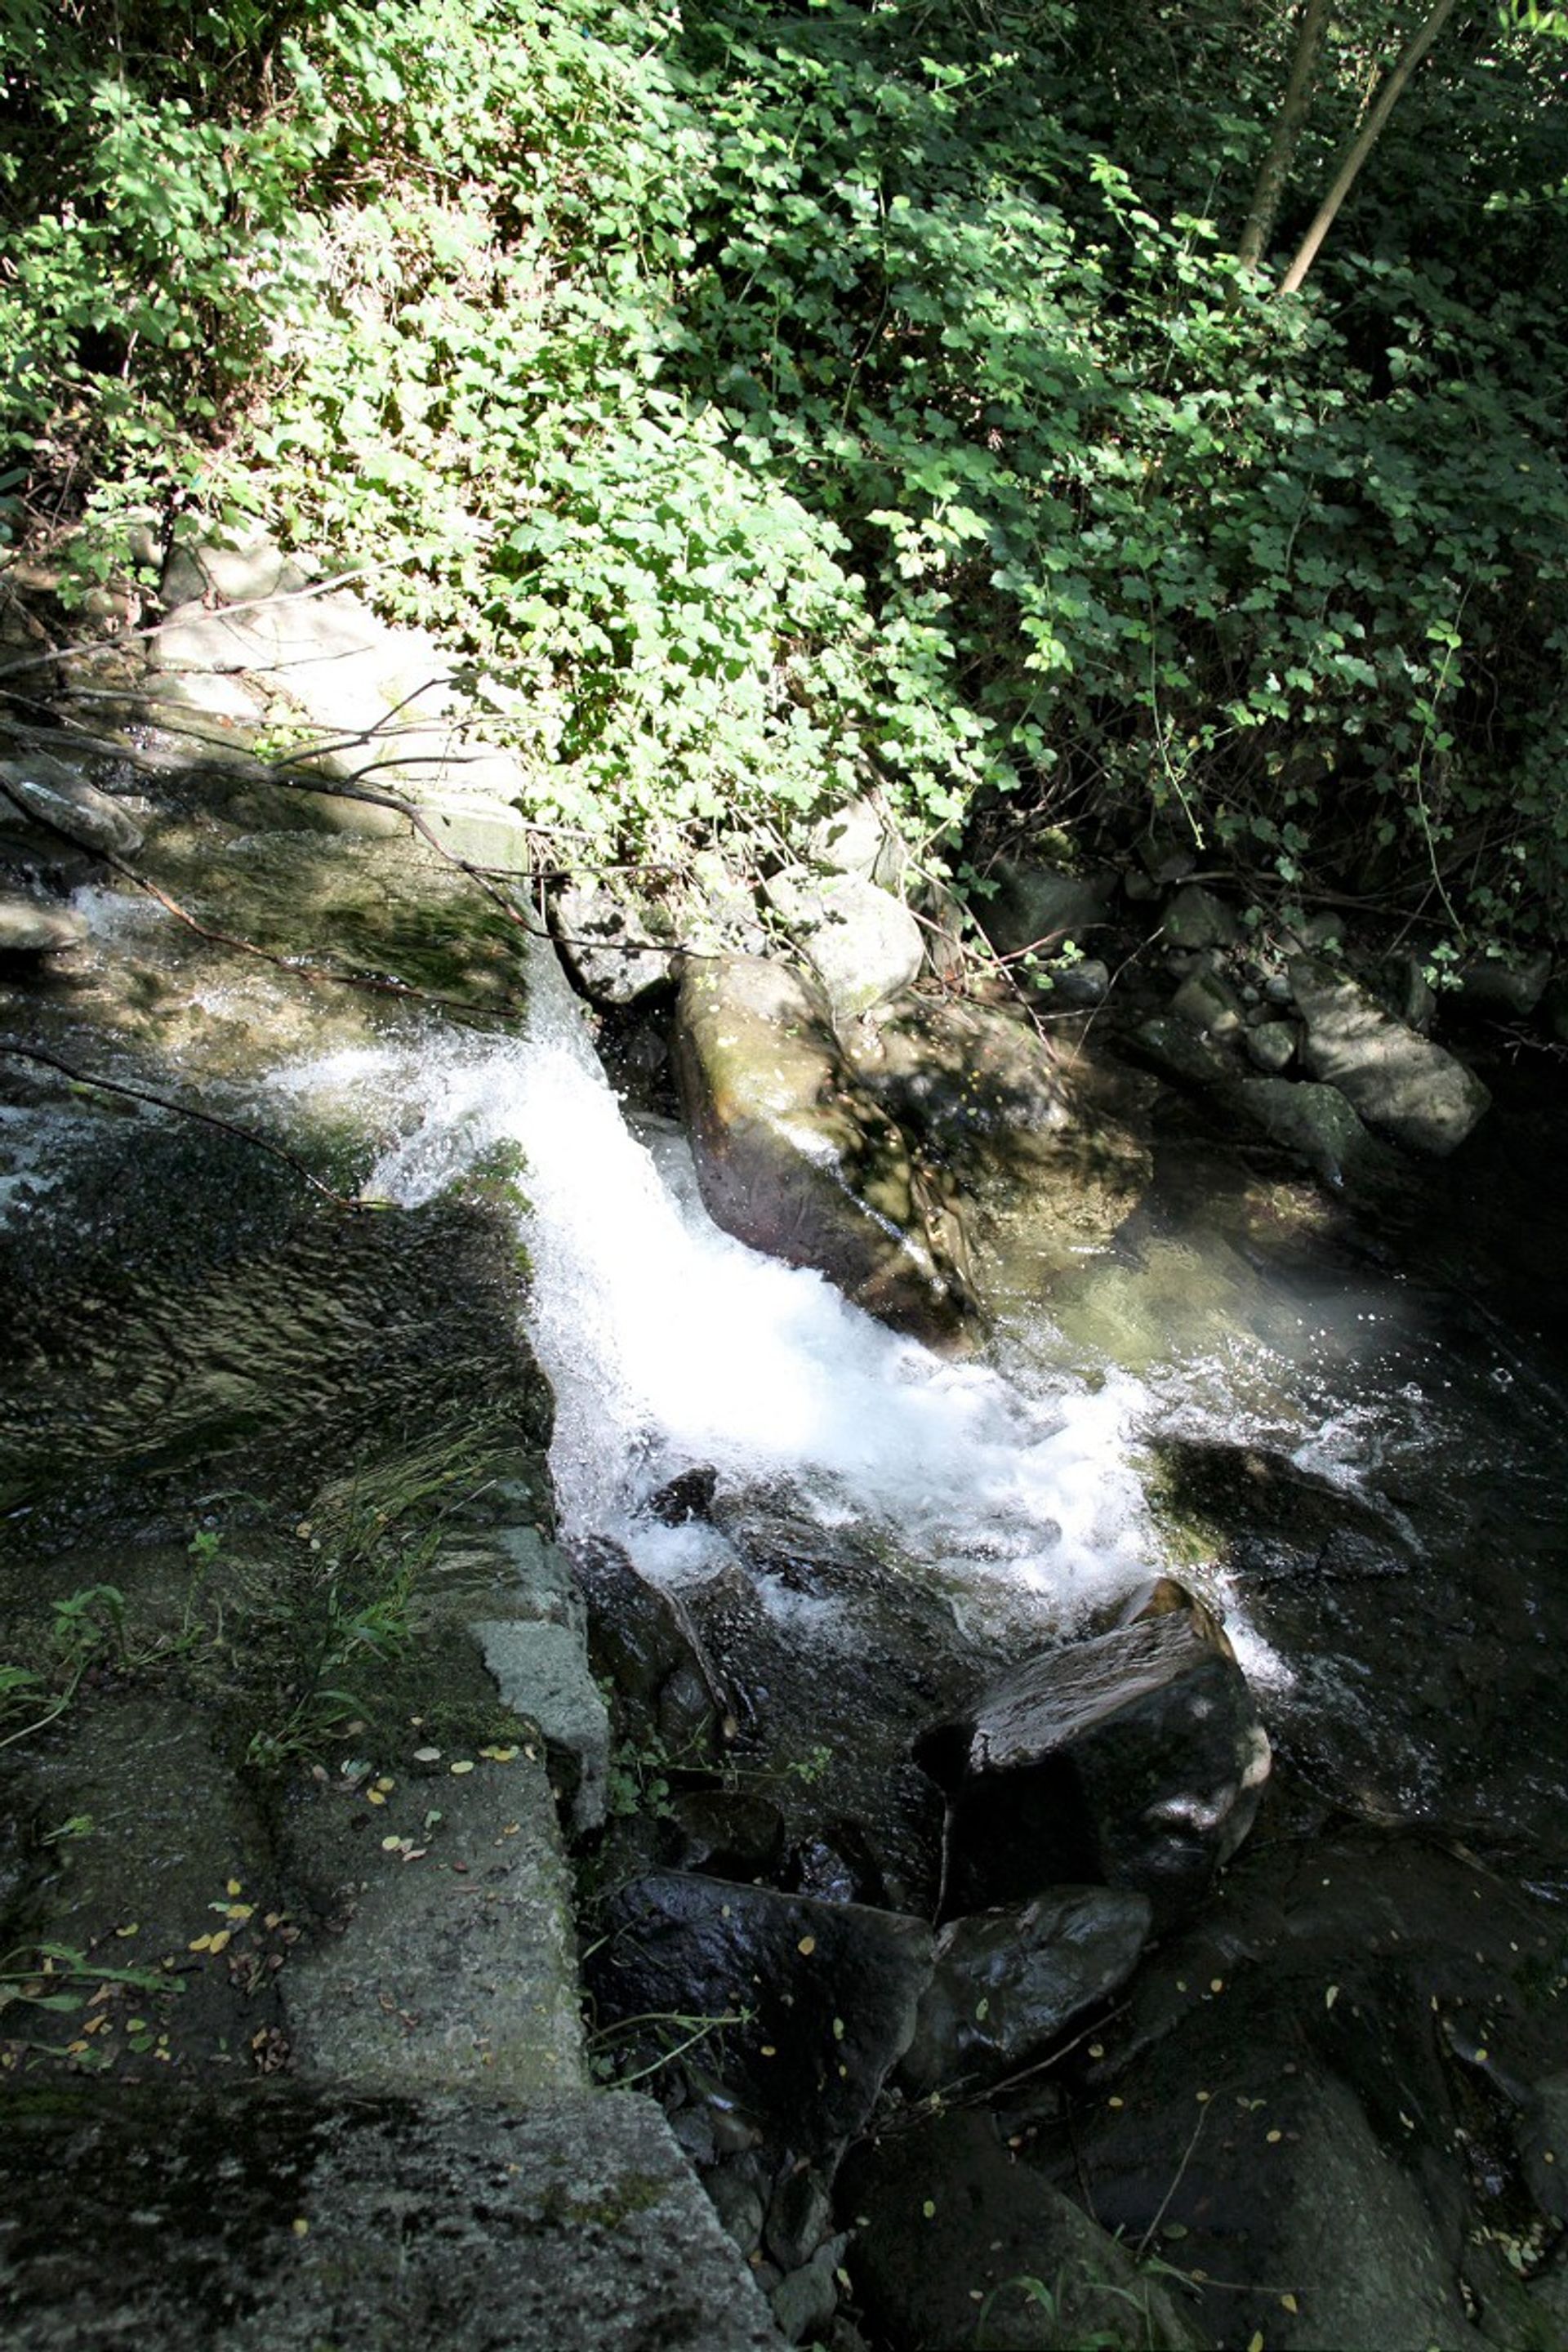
{"points": [[425, 1922]]}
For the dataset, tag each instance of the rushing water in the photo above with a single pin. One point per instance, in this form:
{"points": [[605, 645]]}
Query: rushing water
{"points": [[1015, 1486]]}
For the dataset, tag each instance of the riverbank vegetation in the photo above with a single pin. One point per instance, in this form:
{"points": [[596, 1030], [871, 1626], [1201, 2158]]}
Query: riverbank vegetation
{"points": [[782, 402]]}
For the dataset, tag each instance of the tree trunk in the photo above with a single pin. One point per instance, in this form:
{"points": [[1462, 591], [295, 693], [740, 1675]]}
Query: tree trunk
{"points": [[1363, 142], [1288, 124]]}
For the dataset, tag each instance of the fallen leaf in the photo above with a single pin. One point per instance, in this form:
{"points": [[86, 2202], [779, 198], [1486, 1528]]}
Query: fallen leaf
{"points": [[1330, 1996], [806, 1946], [463, 1765]]}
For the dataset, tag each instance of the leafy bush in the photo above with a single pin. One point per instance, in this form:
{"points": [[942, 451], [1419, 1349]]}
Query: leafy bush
{"points": [[786, 401]]}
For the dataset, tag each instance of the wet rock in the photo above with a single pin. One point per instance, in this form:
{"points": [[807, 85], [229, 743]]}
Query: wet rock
{"points": [[1195, 917], [1355, 2022], [1080, 985], [1042, 1149], [280, 2219], [641, 1642], [607, 944], [28, 928], [1008, 1983], [1314, 1120], [822, 1997], [1401, 1083], [957, 2242], [863, 944], [1135, 1760], [1039, 906], [840, 1866], [724, 1833], [796, 1158], [1189, 1055], [689, 1497], [40, 787]]}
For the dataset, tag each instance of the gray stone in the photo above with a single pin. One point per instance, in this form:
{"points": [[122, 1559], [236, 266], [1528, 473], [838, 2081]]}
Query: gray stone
{"points": [[1315, 1121], [456, 1970], [856, 839], [1207, 1001], [29, 928], [796, 1158], [1039, 906], [820, 1997], [799, 2217], [278, 2219], [605, 942], [1195, 917], [41, 787], [1009, 1982], [1412, 1089], [1079, 985], [863, 944], [806, 2300], [1185, 1054], [541, 1673], [1135, 1760], [1271, 1046], [737, 2204], [241, 572]]}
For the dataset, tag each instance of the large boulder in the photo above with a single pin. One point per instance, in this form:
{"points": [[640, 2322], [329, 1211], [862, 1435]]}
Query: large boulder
{"points": [[1039, 1144], [811, 2004], [609, 944], [1135, 1760], [797, 1159], [1400, 1082]]}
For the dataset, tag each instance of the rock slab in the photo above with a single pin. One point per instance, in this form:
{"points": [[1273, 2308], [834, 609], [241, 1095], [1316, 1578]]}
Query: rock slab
{"points": [[1400, 1082], [275, 2220]]}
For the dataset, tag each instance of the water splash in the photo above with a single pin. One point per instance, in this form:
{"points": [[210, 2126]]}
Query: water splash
{"points": [[668, 1344]]}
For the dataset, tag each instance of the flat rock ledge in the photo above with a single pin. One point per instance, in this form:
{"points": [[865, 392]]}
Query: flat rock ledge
{"points": [[281, 2219]]}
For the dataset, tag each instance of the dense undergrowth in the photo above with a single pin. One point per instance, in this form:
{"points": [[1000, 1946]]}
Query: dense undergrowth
{"points": [[793, 400]]}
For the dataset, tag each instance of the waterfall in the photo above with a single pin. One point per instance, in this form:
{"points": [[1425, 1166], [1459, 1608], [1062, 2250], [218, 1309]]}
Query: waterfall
{"points": [[669, 1344]]}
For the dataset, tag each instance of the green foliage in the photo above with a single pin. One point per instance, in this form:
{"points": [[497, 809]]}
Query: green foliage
{"points": [[787, 400]]}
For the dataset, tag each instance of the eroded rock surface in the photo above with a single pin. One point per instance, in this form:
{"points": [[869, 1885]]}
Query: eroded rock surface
{"points": [[796, 1158]]}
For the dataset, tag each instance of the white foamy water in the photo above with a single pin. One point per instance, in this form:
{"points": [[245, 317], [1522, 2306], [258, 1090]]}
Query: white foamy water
{"points": [[670, 1344]]}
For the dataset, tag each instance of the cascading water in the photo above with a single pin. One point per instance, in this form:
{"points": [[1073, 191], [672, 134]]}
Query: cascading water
{"points": [[669, 1344]]}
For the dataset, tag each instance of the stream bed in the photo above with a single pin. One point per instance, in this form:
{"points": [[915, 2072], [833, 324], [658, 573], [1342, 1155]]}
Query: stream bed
{"points": [[1336, 2100]]}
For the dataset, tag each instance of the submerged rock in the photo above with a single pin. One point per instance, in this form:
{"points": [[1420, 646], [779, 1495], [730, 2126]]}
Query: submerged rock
{"points": [[1400, 1082], [1135, 1760], [812, 2003], [1009, 1982], [794, 1157]]}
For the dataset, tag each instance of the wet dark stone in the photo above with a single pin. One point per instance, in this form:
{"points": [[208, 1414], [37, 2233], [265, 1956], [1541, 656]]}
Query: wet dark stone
{"points": [[724, 1833], [1008, 1983], [952, 2230], [1134, 1759], [689, 1497], [827, 1993], [639, 1642], [1328, 2082]]}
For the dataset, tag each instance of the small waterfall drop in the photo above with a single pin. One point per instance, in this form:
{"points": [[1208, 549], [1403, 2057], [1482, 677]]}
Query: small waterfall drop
{"points": [[669, 1344]]}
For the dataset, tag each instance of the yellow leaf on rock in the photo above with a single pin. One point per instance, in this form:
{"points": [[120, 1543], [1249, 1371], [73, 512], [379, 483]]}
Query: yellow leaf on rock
{"points": [[1289, 2302], [462, 1765], [221, 1941], [199, 1944]]}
